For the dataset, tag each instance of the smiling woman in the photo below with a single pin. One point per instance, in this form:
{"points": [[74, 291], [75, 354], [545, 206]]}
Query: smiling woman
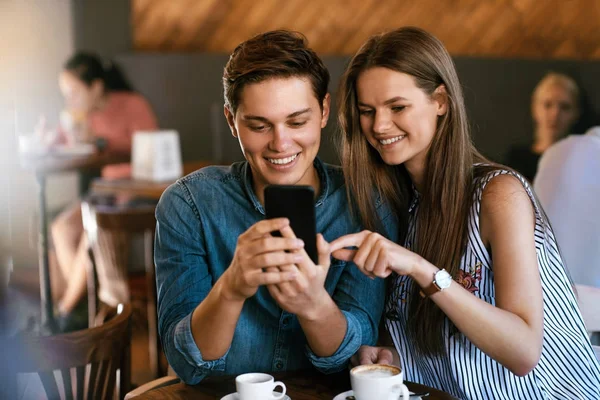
{"points": [[480, 303]]}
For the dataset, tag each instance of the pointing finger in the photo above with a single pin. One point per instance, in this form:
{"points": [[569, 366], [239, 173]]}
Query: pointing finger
{"points": [[351, 240]]}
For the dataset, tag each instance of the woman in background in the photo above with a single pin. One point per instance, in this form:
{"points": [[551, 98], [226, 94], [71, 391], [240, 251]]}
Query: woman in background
{"points": [[555, 109], [479, 304], [101, 108]]}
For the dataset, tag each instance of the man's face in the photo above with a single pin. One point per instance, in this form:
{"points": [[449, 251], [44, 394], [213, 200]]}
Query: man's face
{"points": [[554, 112], [278, 123]]}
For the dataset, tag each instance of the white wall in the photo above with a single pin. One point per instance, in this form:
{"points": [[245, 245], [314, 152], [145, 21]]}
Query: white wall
{"points": [[36, 38]]}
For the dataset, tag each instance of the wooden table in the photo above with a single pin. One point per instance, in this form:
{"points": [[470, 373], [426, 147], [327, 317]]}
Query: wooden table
{"points": [[305, 385], [140, 188], [42, 166]]}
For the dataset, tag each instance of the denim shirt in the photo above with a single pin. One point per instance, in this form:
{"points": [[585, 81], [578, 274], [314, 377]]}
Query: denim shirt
{"points": [[199, 219]]}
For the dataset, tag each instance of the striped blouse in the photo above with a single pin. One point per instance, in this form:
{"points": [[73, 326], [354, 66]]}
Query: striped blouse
{"points": [[567, 369]]}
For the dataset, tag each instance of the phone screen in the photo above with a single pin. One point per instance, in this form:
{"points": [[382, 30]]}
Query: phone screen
{"points": [[297, 203]]}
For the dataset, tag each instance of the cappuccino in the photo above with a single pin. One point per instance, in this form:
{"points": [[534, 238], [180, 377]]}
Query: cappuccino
{"points": [[377, 372], [377, 382]]}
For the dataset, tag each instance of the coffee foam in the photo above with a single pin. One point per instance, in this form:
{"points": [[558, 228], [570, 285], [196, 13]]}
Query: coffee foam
{"points": [[376, 371]]}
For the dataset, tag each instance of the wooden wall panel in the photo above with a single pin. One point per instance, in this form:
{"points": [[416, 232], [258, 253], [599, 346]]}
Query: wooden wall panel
{"points": [[489, 28]]}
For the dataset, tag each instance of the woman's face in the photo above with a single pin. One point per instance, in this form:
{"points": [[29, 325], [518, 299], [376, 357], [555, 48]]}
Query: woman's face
{"points": [[398, 118], [554, 112], [79, 96]]}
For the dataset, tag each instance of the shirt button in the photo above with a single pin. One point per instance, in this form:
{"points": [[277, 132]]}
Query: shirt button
{"points": [[279, 365], [285, 321]]}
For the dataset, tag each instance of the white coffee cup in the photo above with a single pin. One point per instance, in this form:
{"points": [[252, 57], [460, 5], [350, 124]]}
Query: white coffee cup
{"points": [[377, 382], [31, 145], [258, 386]]}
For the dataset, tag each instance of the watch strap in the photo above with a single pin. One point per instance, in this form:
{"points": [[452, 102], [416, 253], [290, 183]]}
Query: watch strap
{"points": [[430, 289]]}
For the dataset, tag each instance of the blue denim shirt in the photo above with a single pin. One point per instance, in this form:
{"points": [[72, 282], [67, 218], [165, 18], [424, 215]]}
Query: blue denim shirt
{"points": [[199, 219]]}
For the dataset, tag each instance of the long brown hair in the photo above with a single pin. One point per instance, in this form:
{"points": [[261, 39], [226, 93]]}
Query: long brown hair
{"points": [[444, 203]]}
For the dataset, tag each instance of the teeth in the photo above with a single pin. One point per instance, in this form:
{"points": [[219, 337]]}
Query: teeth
{"points": [[392, 140], [282, 161]]}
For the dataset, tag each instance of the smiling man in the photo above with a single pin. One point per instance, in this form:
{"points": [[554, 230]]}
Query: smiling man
{"points": [[228, 300]]}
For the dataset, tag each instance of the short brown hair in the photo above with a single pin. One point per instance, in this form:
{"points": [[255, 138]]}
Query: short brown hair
{"points": [[274, 54]]}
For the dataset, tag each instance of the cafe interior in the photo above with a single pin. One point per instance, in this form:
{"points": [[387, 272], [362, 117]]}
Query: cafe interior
{"points": [[81, 313]]}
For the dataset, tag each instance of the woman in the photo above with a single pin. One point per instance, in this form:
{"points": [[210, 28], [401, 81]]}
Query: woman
{"points": [[479, 303], [555, 109], [101, 108]]}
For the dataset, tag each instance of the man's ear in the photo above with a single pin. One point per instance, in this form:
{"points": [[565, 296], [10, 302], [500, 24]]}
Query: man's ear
{"points": [[230, 121], [326, 108], [440, 96]]}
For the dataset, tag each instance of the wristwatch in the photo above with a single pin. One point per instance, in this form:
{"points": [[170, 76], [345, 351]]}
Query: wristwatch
{"points": [[441, 280]]}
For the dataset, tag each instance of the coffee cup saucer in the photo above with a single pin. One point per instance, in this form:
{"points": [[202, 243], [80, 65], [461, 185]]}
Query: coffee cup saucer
{"points": [[234, 396], [342, 396]]}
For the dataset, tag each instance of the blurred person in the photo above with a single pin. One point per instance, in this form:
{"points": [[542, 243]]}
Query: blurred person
{"points": [[101, 108], [479, 303], [555, 108], [568, 186], [232, 298]]}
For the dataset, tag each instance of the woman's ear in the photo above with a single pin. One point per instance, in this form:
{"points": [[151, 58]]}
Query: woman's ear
{"points": [[230, 121], [440, 96]]}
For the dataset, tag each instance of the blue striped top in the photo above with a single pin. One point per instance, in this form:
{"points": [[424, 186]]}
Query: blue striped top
{"points": [[567, 369]]}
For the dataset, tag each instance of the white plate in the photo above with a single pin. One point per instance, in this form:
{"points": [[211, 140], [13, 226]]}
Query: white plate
{"points": [[80, 149], [234, 396], [342, 396]]}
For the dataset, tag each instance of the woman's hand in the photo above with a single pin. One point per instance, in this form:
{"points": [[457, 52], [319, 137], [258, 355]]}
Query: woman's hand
{"points": [[376, 256], [375, 355]]}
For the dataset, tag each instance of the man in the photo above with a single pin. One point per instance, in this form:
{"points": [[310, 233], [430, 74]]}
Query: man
{"points": [[568, 186], [232, 298]]}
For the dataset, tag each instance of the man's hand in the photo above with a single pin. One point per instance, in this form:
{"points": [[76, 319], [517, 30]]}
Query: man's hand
{"points": [[255, 253], [375, 355], [304, 295]]}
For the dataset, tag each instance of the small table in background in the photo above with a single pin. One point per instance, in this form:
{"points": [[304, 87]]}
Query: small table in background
{"points": [[43, 165], [140, 188], [301, 385]]}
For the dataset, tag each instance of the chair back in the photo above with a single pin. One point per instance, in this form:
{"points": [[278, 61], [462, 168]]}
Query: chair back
{"points": [[109, 229], [134, 219], [120, 222], [92, 363]]}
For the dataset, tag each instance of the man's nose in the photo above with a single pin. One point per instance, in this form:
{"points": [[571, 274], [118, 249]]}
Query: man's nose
{"points": [[281, 140]]}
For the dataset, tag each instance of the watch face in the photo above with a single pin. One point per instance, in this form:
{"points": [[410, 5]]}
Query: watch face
{"points": [[443, 279]]}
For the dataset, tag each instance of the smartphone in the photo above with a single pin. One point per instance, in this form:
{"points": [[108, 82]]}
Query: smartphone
{"points": [[296, 203]]}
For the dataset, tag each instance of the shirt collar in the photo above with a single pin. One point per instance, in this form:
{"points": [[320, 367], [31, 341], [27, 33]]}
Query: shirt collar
{"points": [[321, 172]]}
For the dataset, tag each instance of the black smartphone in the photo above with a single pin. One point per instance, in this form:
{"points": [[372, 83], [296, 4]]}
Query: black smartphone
{"points": [[296, 203]]}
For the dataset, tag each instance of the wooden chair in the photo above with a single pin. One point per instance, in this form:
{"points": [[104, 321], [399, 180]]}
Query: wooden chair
{"points": [[113, 256], [155, 384], [104, 350]]}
